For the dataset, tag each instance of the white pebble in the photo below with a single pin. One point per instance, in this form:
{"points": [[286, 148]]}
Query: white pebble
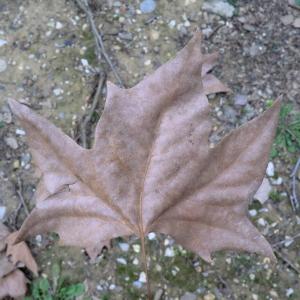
{"points": [[262, 222], [270, 169], [2, 212], [142, 277], [121, 261], [58, 91], [277, 181], [135, 261], [20, 132], [152, 236], [136, 248], [169, 252], [124, 247], [289, 292], [2, 42], [59, 25], [252, 212]]}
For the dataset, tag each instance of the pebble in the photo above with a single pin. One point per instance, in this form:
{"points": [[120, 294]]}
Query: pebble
{"points": [[154, 35], [84, 62], [277, 181], [219, 7], [152, 236], [142, 277], [3, 65], [136, 248], [59, 25], [240, 100], [289, 292], [172, 23], [261, 222], [296, 23], [287, 19], [209, 296], [253, 212], [11, 142], [25, 159], [124, 247], [58, 91], [147, 6], [2, 42], [135, 261], [121, 261], [125, 36], [289, 241], [20, 131], [169, 252], [270, 169], [262, 194], [2, 212], [188, 296]]}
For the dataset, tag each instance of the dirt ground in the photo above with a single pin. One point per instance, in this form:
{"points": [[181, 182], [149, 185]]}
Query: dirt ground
{"points": [[47, 60]]}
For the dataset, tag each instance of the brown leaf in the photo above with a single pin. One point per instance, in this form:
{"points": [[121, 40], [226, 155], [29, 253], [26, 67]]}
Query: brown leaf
{"points": [[13, 285], [151, 168], [13, 281]]}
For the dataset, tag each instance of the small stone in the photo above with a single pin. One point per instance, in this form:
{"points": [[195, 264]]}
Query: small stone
{"points": [[152, 236], [142, 277], [124, 247], [2, 212], [2, 42], [207, 31], [289, 292], [125, 36], [262, 194], [270, 169], [135, 261], [252, 212], [172, 23], [16, 164], [58, 91], [287, 19], [240, 100], [219, 7], [289, 241], [254, 297], [112, 286], [59, 25], [277, 181], [188, 296], [25, 159], [261, 222], [20, 132], [136, 248], [147, 6], [252, 276], [169, 252], [147, 62], [209, 296], [84, 62], [296, 23], [154, 35], [11, 142], [121, 261], [249, 27], [3, 65], [158, 268]]}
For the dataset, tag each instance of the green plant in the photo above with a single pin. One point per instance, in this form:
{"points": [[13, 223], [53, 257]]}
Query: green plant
{"points": [[288, 131], [56, 289]]}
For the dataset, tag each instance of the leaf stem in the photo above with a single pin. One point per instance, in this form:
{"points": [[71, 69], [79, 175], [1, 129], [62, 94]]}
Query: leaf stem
{"points": [[144, 262]]}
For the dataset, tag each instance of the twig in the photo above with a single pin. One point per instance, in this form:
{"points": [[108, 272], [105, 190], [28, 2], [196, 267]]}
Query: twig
{"points": [[294, 199], [294, 6], [287, 261], [214, 32], [20, 195], [83, 4], [88, 117], [286, 240]]}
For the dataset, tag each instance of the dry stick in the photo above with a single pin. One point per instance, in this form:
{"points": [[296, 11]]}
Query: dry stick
{"points": [[287, 261], [294, 199], [83, 4], [286, 240], [88, 117], [20, 194]]}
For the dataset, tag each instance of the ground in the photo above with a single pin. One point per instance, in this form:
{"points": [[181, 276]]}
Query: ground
{"points": [[47, 60]]}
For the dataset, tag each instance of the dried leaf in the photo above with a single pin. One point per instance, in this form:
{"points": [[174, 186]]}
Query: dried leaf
{"points": [[151, 168], [13, 285], [13, 281]]}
